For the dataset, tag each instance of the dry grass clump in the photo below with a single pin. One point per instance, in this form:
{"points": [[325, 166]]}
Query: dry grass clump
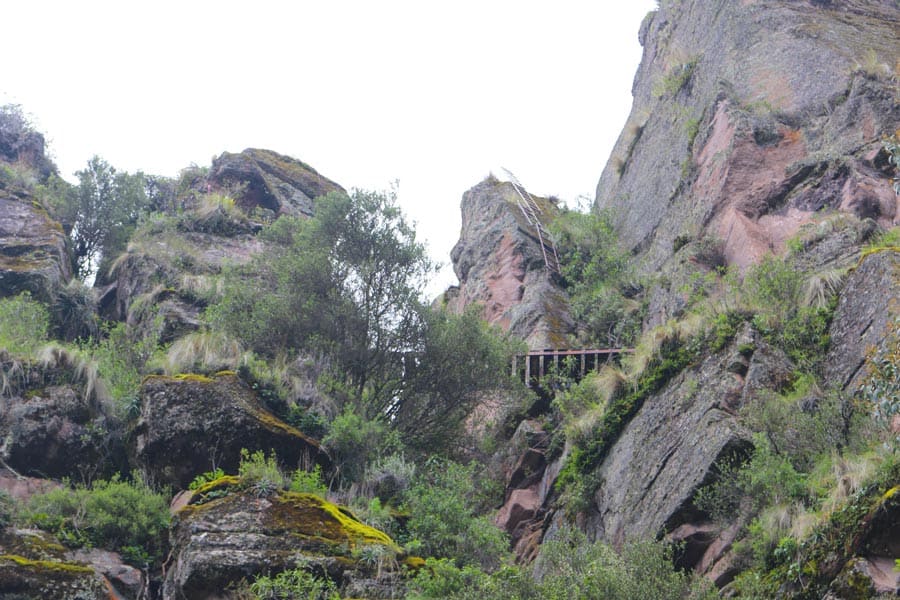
{"points": [[55, 357], [203, 352]]}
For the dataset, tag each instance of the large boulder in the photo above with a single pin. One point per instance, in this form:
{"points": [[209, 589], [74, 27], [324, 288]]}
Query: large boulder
{"points": [[271, 181], [192, 423], [500, 263], [225, 535], [33, 252], [34, 566], [56, 419]]}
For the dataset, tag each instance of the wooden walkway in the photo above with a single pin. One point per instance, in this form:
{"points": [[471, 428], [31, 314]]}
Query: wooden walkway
{"points": [[537, 364]]}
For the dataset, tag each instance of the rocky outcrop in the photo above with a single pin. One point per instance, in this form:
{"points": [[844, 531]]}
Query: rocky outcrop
{"points": [[33, 253], [500, 265], [668, 449], [225, 535], [55, 432], [21, 145], [867, 303], [529, 477], [190, 423], [270, 181], [751, 119], [55, 417], [34, 566]]}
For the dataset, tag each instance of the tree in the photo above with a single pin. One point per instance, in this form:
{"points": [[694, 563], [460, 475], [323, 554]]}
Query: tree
{"points": [[347, 282], [462, 358], [101, 212]]}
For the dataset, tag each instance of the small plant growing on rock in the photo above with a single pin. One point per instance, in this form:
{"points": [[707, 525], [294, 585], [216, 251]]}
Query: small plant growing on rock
{"points": [[294, 583], [204, 478], [126, 516], [260, 473], [309, 482]]}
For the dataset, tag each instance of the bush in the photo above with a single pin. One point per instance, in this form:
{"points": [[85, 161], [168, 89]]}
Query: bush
{"points": [[260, 473], [23, 324], [120, 361], [74, 312], [204, 478], [767, 479], [881, 389], [294, 583], [577, 569], [571, 569], [389, 477], [594, 270], [442, 579], [462, 358], [443, 504], [309, 482], [774, 293], [8, 507], [115, 514], [353, 441]]}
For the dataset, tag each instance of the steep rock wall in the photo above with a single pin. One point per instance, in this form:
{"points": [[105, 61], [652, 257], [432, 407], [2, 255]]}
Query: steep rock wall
{"points": [[751, 117], [500, 265]]}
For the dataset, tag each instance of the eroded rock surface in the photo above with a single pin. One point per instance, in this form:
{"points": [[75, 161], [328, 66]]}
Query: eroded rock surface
{"points": [[33, 252], [650, 474], [867, 303], [500, 265], [750, 119], [34, 566], [218, 541], [190, 423], [271, 181]]}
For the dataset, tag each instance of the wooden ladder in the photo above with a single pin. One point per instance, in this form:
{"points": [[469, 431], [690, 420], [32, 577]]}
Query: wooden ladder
{"points": [[531, 210]]}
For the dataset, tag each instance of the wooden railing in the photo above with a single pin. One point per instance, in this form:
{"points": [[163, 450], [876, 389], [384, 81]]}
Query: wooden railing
{"points": [[534, 366]]}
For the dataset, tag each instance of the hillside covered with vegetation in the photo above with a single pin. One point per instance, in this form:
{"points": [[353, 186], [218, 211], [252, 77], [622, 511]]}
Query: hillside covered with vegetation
{"points": [[231, 384]]}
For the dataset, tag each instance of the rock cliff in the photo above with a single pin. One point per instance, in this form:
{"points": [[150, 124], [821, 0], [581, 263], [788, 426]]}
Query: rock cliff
{"points": [[751, 119], [500, 264]]}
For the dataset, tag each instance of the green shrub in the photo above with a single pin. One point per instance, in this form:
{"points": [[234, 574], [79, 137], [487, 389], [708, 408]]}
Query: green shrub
{"points": [[881, 389], [296, 583], [572, 569], [578, 569], [443, 504], [767, 479], [442, 579], [23, 324], [74, 312], [773, 292], [120, 361], [595, 269], [204, 478], [389, 477], [352, 441], [309, 482], [113, 514], [260, 473], [8, 508]]}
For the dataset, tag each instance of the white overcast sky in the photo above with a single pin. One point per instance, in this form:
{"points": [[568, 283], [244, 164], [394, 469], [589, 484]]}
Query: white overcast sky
{"points": [[433, 94]]}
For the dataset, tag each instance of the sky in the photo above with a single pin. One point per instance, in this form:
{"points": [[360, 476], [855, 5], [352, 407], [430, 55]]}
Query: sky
{"points": [[432, 95]]}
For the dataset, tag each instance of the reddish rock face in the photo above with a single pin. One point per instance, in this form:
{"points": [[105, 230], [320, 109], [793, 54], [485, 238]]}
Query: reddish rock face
{"points": [[751, 119], [500, 265]]}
